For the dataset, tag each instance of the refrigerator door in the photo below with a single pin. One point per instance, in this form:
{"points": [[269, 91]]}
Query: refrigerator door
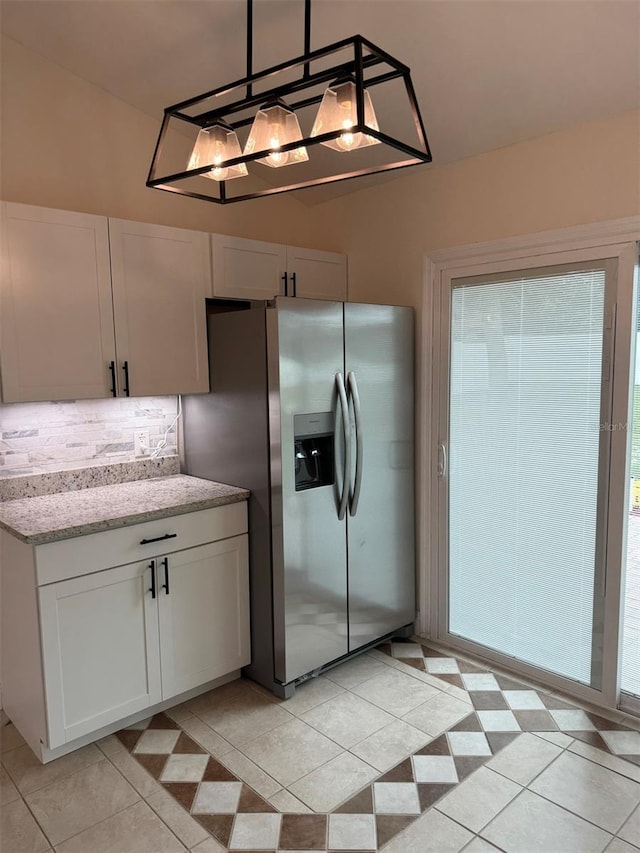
{"points": [[305, 354], [379, 359]]}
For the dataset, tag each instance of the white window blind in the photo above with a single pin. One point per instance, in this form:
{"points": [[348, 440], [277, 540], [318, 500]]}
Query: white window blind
{"points": [[524, 435]]}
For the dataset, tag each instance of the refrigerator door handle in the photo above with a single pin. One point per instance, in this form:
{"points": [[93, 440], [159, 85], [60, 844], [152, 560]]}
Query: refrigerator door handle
{"points": [[346, 433], [354, 497]]}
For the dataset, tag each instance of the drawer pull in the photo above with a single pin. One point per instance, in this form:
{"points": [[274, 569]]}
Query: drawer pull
{"points": [[152, 589], [159, 538]]}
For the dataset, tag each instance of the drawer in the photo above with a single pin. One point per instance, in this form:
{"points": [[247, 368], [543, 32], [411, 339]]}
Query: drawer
{"points": [[71, 558]]}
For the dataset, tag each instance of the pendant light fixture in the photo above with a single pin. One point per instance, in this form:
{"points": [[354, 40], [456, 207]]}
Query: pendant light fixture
{"points": [[253, 130]]}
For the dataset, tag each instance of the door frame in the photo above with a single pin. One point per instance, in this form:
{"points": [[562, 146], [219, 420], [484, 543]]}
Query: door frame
{"points": [[616, 238]]}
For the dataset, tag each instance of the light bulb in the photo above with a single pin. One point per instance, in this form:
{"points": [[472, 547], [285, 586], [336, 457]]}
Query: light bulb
{"points": [[347, 139], [338, 111], [219, 152], [218, 173], [213, 146], [276, 157], [275, 125]]}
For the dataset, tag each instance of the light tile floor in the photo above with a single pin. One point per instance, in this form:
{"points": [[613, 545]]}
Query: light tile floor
{"points": [[404, 749]]}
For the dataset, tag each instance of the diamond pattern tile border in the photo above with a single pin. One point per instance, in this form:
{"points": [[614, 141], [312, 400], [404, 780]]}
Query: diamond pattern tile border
{"points": [[504, 705], [232, 812]]}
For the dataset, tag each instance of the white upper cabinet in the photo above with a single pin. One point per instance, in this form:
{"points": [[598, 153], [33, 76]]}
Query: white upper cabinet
{"points": [[94, 307], [56, 318], [247, 269], [316, 275], [161, 278], [250, 269]]}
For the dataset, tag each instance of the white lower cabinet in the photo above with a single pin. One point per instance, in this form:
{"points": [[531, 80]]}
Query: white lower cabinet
{"points": [[204, 614], [101, 651], [123, 639], [87, 643]]}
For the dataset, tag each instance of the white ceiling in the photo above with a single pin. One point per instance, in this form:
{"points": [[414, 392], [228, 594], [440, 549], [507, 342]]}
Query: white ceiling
{"points": [[487, 73]]}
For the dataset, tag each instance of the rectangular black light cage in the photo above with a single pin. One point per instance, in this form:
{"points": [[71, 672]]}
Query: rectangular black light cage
{"points": [[237, 103]]}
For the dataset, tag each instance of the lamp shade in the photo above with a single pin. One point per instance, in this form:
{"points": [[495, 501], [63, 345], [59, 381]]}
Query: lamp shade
{"points": [[274, 126], [339, 111], [214, 146]]}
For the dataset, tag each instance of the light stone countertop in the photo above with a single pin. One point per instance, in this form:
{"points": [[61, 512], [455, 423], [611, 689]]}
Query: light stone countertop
{"points": [[49, 518]]}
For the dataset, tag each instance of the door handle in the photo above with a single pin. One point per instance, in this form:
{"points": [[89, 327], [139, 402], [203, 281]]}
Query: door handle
{"points": [[112, 371], [284, 279], [165, 585], [346, 434], [443, 462], [125, 367], [293, 282], [354, 497], [152, 588]]}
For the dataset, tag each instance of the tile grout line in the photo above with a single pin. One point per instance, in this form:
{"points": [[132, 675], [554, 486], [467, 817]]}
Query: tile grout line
{"points": [[98, 823], [547, 799], [526, 787], [40, 827], [575, 814], [119, 811], [57, 778], [597, 763], [141, 799]]}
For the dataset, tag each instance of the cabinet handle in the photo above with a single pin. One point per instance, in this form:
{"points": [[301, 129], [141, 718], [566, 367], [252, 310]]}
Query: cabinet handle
{"points": [[125, 367], [165, 585], [293, 280], [159, 538], [284, 278], [112, 371], [152, 589]]}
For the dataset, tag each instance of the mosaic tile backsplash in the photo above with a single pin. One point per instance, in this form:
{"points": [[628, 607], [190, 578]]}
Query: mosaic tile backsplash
{"points": [[37, 438]]}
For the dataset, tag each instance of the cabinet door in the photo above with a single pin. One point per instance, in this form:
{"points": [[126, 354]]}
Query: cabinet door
{"points": [[319, 275], [161, 278], [247, 269], [204, 616], [57, 319], [100, 650]]}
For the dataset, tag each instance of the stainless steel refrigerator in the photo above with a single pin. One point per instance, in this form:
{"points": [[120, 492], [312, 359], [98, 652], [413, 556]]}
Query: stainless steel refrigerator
{"points": [[311, 408]]}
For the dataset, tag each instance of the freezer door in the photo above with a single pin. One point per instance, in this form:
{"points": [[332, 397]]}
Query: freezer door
{"points": [[305, 348], [379, 360]]}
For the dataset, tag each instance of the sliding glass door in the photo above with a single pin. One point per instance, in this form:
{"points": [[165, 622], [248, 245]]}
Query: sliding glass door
{"points": [[630, 645], [523, 460]]}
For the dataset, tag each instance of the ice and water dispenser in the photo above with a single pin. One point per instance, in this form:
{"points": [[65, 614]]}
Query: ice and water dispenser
{"points": [[314, 450]]}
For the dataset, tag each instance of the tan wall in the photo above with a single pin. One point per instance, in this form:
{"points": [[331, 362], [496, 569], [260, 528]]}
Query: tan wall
{"points": [[586, 174], [65, 143]]}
